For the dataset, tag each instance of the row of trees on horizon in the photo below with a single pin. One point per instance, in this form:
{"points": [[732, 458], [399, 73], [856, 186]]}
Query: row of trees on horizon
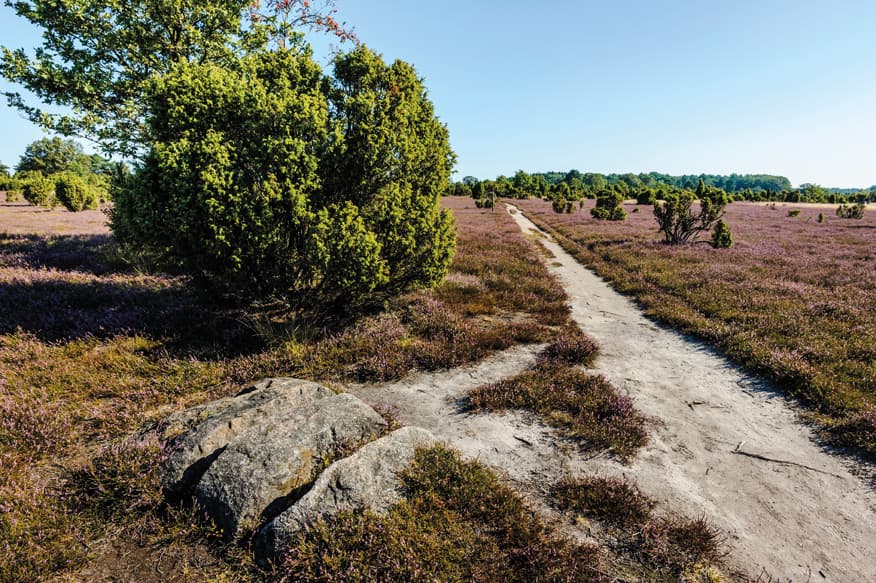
{"points": [[575, 185]]}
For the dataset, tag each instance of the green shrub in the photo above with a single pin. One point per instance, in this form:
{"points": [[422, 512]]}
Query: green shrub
{"points": [[850, 211], [12, 188], [820, 217], [269, 181], [74, 192], [38, 190], [646, 196], [558, 204], [794, 213], [608, 206], [676, 219], [721, 236]]}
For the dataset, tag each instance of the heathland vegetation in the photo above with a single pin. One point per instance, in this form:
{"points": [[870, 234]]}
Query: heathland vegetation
{"points": [[575, 186], [793, 299], [55, 171], [93, 349], [276, 219]]}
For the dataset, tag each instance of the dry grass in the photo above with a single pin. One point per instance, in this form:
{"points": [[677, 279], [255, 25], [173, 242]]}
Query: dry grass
{"points": [[794, 299], [586, 407], [458, 522], [91, 349], [665, 547]]}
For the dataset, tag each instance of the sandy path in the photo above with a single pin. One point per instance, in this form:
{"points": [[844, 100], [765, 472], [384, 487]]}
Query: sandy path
{"points": [[525, 451], [785, 518]]}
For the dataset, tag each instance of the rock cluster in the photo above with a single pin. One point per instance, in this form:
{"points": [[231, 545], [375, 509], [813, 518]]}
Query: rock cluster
{"points": [[261, 455]]}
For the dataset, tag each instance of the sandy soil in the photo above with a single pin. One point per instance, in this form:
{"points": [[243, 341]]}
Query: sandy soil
{"points": [[803, 514], [525, 451], [799, 513]]}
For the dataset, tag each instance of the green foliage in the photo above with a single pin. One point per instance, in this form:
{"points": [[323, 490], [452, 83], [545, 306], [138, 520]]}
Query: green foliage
{"points": [[721, 236], [11, 186], [559, 204], [646, 196], [74, 192], [37, 189], [794, 213], [608, 205], [97, 56], [851, 211], [262, 185], [54, 155], [820, 217], [676, 219]]}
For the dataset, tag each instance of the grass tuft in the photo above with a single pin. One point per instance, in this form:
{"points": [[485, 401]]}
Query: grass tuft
{"points": [[457, 522], [585, 406], [659, 543], [571, 346], [615, 501]]}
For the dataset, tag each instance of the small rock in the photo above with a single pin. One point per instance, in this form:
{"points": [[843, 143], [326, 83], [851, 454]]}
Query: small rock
{"points": [[265, 465], [366, 479], [204, 430]]}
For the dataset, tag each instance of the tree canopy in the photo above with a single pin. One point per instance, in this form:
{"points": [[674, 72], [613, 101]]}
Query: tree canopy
{"points": [[91, 72]]}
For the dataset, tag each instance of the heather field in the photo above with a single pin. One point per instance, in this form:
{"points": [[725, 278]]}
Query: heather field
{"points": [[794, 299], [91, 348], [94, 347]]}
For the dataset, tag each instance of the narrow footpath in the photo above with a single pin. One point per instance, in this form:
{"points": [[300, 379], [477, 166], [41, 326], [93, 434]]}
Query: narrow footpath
{"points": [[723, 444]]}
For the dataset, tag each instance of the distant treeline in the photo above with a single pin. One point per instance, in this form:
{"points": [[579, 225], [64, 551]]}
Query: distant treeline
{"points": [[575, 185]]}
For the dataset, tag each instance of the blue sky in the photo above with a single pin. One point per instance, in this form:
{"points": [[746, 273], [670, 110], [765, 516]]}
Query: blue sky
{"points": [[679, 86]]}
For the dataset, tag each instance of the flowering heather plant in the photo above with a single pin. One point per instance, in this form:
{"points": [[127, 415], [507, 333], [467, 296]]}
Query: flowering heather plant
{"points": [[792, 300], [91, 349], [659, 544], [457, 522], [585, 406]]}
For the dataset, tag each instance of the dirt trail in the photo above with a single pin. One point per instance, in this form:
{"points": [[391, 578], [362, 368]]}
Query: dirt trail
{"points": [[527, 452], [805, 514]]}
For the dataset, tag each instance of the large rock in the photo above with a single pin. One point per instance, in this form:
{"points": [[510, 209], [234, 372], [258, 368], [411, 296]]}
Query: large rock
{"points": [[264, 467], [203, 431], [366, 479]]}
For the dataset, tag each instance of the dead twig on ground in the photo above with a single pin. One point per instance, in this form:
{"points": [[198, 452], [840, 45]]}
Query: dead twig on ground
{"points": [[783, 462]]}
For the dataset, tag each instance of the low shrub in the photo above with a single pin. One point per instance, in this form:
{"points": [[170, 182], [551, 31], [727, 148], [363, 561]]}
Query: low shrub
{"points": [[615, 501], [608, 206], [661, 542], [851, 211], [39, 190], [646, 196], [457, 522], [571, 346], [721, 236], [794, 213], [586, 406], [75, 193], [680, 543], [264, 181], [677, 220]]}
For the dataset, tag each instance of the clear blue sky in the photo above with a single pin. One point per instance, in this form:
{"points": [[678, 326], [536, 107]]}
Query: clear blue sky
{"points": [[683, 86]]}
